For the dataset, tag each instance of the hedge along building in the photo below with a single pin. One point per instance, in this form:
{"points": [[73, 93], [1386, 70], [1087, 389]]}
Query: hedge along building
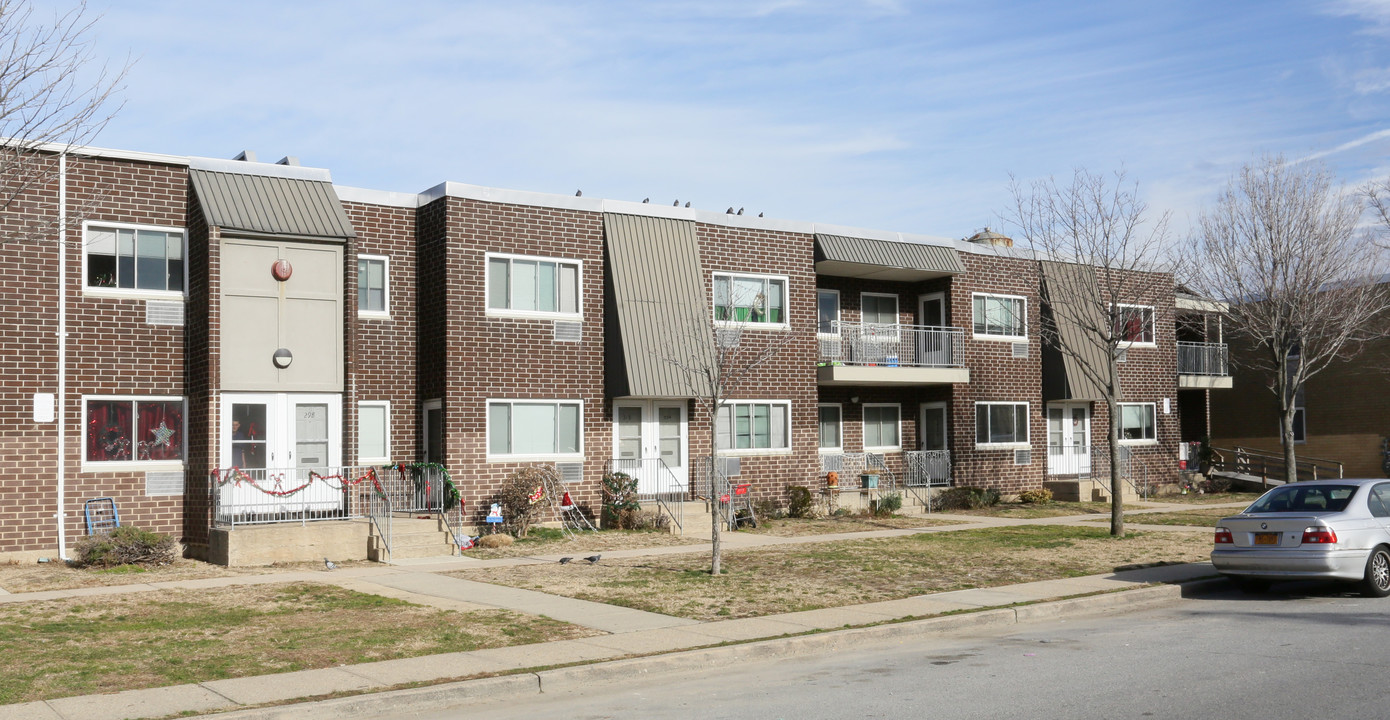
{"points": [[205, 314]]}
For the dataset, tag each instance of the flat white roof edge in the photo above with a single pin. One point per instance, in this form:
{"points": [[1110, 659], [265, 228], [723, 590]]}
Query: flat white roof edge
{"points": [[243, 167], [369, 196], [89, 151]]}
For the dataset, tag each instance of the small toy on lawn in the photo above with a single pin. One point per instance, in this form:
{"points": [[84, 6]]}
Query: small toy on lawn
{"points": [[466, 543], [494, 516]]}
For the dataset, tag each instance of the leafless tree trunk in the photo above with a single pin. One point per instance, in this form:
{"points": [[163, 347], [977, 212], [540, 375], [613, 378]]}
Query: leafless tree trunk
{"points": [[1101, 279], [50, 101], [715, 360], [1281, 246]]}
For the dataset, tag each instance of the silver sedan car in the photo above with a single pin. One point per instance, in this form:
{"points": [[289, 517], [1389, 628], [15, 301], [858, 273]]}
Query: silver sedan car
{"points": [[1331, 529]]}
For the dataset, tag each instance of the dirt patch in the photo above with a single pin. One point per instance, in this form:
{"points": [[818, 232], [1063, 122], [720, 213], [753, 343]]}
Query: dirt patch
{"points": [[797, 577], [1196, 517], [794, 527], [32, 577], [547, 541], [123, 642]]}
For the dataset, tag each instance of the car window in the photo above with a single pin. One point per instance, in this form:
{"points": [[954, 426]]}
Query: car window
{"points": [[1379, 500], [1305, 498]]}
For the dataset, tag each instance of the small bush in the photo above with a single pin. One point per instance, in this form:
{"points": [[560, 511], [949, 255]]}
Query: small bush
{"points": [[769, 509], [125, 546], [966, 498], [495, 541], [1041, 496], [651, 521], [620, 507], [799, 501], [888, 504], [1216, 484], [518, 509], [842, 512]]}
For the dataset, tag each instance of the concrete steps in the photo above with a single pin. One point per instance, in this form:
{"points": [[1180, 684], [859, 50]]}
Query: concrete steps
{"points": [[412, 537]]}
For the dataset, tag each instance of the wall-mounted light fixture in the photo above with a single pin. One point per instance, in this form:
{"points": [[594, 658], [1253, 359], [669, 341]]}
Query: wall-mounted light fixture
{"points": [[282, 358]]}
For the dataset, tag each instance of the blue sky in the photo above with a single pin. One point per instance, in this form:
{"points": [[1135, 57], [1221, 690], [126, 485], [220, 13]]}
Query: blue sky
{"points": [[893, 115]]}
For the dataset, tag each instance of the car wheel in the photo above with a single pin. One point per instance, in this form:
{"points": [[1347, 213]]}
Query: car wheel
{"points": [[1250, 586], [1377, 582]]}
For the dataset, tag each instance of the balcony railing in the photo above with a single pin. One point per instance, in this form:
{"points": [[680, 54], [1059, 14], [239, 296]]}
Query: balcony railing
{"points": [[1203, 359], [890, 345]]}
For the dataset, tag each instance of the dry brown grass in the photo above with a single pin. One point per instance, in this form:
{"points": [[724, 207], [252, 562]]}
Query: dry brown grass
{"points": [[1209, 498], [548, 541], [789, 578], [32, 577], [78, 646], [1196, 517], [1026, 511], [795, 527]]}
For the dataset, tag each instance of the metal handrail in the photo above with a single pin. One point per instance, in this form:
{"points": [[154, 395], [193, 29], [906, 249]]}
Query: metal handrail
{"points": [[1244, 462], [853, 343], [670, 494]]}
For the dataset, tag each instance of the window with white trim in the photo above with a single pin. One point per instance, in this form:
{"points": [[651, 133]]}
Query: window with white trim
{"points": [[523, 285], [827, 311], [1001, 423], [535, 428], [1002, 316], [136, 258], [878, 308], [120, 431], [1134, 324], [373, 280], [753, 425], [751, 299], [1137, 423], [373, 432], [882, 423], [831, 427]]}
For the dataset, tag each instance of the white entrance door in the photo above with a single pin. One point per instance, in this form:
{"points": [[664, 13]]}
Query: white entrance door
{"points": [[275, 439], [933, 343], [934, 466], [649, 443], [1069, 439]]}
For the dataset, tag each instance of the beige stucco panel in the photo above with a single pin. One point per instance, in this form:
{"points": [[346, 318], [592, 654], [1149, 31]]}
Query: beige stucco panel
{"points": [[314, 333], [249, 339], [246, 268]]}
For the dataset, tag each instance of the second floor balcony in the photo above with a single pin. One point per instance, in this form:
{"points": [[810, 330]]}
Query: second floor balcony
{"points": [[877, 354], [1203, 365]]}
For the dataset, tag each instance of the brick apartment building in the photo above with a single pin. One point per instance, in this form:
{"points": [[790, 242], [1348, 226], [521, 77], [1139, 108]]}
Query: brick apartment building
{"points": [[204, 314]]}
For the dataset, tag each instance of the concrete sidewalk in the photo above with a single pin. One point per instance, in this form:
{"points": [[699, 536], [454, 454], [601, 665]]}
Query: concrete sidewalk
{"points": [[628, 632]]}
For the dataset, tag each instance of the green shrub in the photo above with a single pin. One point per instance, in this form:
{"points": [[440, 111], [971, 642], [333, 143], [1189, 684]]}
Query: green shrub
{"points": [[966, 498], [842, 512], [620, 507], [125, 546], [1041, 496], [800, 501], [889, 504]]}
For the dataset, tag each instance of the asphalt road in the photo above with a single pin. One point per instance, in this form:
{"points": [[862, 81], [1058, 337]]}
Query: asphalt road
{"points": [[1301, 651]]}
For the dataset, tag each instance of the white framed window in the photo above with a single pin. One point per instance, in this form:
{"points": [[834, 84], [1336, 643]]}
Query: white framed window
{"points": [[827, 312], [753, 425], [1001, 424], [544, 429], [1004, 317], [532, 286], [128, 259], [1137, 424], [882, 426], [373, 285], [120, 432], [750, 300], [373, 432], [1134, 324], [831, 421]]}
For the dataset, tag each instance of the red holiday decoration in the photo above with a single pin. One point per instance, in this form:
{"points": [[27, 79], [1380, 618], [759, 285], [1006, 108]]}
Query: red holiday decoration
{"points": [[566, 503]]}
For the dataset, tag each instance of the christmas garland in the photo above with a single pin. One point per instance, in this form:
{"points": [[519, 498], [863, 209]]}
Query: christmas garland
{"points": [[237, 477], [452, 496]]}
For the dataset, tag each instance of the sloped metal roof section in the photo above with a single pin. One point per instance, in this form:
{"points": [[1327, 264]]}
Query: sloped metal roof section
{"points": [[660, 297], [1068, 291], [271, 206], [872, 259]]}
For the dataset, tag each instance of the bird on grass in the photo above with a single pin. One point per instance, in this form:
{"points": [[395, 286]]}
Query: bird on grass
{"points": [[565, 560], [593, 558], [329, 564]]}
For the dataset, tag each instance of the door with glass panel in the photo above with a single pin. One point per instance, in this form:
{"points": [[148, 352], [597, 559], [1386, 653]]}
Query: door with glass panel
{"points": [[933, 342], [273, 441], [1069, 439], [649, 443], [935, 465]]}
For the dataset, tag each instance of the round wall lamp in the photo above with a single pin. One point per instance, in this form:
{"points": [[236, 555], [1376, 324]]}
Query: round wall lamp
{"points": [[282, 270], [282, 358]]}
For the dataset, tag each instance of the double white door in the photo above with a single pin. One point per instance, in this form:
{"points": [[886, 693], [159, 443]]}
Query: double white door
{"points": [[274, 440], [1069, 439], [649, 443]]}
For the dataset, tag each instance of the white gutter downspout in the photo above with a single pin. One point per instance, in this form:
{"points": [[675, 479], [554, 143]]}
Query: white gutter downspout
{"points": [[62, 351]]}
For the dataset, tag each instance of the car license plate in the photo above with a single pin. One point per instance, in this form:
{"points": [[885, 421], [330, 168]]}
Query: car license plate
{"points": [[1267, 538]]}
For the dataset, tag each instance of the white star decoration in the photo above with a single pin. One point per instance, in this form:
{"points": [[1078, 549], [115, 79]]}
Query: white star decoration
{"points": [[162, 435]]}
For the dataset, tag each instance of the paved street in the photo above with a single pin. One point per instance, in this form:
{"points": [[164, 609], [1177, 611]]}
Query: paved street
{"points": [[1305, 651]]}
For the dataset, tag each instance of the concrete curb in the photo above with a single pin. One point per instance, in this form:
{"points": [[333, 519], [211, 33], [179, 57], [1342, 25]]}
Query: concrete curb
{"points": [[571, 679]]}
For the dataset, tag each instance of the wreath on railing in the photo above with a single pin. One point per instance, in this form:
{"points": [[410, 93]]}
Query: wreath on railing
{"points": [[238, 477], [417, 471]]}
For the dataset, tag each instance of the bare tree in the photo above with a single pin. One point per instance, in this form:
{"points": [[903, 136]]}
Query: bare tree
{"points": [[1377, 195], [1282, 247], [1099, 265], [716, 358], [51, 100]]}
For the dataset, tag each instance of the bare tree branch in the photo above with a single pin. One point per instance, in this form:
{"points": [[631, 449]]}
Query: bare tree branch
{"points": [[1282, 247]]}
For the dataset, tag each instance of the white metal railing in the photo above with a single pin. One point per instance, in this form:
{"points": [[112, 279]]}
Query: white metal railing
{"points": [[415, 489], [927, 468], [1196, 358], [849, 466], [890, 345], [656, 483], [1069, 460], [277, 495]]}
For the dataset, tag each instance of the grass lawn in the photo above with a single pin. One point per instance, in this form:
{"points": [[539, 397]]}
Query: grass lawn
{"points": [[550, 541], [80, 646], [789, 578], [794, 527], [1043, 510], [1197, 516], [31, 576], [1208, 498]]}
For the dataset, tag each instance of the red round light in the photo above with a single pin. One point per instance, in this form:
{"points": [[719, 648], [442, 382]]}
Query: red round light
{"points": [[282, 270]]}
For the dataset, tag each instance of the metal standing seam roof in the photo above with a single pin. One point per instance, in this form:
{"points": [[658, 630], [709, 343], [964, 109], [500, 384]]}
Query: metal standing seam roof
{"points": [[888, 253], [1067, 291], [660, 297], [271, 205]]}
